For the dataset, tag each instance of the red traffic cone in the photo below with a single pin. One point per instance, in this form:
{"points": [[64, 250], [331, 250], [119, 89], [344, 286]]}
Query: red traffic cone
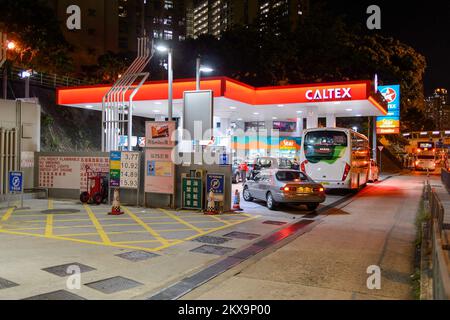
{"points": [[115, 210], [237, 201]]}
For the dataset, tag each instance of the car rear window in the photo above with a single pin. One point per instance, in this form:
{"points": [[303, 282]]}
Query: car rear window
{"points": [[291, 176]]}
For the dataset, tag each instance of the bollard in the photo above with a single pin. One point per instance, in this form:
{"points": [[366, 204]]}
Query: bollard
{"points": [[237, 201]]}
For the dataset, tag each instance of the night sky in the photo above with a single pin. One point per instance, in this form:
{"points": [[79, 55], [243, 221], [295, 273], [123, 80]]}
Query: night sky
{"points": [[424, 25]]}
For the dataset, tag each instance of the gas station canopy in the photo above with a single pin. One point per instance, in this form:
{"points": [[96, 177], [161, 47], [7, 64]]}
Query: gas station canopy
{"points": [[238, 101]]}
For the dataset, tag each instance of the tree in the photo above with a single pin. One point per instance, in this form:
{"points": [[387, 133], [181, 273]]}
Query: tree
{"points": [[33, 26]]}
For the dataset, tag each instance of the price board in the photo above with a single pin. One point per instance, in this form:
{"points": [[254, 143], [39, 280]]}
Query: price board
{"points": [[124, 169], [192, 197], [129, 170]]}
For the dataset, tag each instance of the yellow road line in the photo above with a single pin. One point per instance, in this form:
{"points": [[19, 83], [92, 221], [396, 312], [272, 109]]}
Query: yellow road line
{"points": [[122, 232], [146, 227], [50, 204], [181, 221], [220, 220], [49, 225], [220, 228], [97, 225], [7, 215]]}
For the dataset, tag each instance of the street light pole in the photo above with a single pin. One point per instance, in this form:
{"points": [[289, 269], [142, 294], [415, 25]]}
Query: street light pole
{"points": [[197, 74], [170, 78]]}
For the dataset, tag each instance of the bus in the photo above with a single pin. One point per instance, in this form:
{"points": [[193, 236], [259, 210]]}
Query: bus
{"points": [[337, 158], [425, 156]]}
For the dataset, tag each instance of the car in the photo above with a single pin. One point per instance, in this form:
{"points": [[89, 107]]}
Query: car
{"points": [[276, 186], [262, 163], [374, 171]]}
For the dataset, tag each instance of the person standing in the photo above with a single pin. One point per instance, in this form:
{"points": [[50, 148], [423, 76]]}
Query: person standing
{"points": [[243, 168]]}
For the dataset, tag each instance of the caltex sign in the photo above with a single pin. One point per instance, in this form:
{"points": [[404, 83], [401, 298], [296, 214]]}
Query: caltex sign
{"points": [[390, 124]]}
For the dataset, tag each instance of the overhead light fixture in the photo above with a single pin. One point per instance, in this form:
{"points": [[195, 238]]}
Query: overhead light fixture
{"points": [[299, 111], [158, 103], [232, 108], [274, 118], [206, 69], [89, 106], [280, 105], [255, 113], [11, 45], [359, 115], [156, 111], [162, 48], [348, 110], [239, 119]]}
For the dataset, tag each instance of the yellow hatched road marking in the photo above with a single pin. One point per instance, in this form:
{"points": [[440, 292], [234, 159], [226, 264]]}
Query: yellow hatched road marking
{"points": [[97, 225], [49, 225], [7, 215], [50, 204], [146, 227], [220, 220], [220, 228], [182, 221], [123, 232]]}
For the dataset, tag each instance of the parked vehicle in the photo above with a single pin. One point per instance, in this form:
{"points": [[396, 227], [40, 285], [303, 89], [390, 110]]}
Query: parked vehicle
{"points": [[277, 186], [425, 156], [374, 171], [268, 163]]}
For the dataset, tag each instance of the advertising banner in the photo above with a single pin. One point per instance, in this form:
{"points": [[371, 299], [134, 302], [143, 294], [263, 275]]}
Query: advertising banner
{"points": [[159, 133], [69, 172], [390, 124], [114, 169], [159, 171]]}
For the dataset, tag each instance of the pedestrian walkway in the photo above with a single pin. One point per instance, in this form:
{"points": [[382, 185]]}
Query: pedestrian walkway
{"points": [[375, 229]]}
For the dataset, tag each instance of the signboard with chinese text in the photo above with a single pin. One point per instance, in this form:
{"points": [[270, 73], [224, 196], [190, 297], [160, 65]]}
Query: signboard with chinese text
{"points": [[159, 171], [192, 193], [66, 172]]}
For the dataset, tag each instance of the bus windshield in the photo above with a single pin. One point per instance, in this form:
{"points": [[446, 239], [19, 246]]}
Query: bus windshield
{"points": [[324, 145]]}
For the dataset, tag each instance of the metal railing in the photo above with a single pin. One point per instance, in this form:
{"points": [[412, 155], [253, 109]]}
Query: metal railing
{"points": [[445, 177], [45, 79], [436, 235]]}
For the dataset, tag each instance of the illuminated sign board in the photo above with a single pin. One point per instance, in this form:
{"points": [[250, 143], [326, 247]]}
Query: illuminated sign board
{"points": [[390, 124]]}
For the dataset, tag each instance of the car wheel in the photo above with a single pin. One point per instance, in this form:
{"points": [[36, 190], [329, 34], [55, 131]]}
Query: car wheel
{"points": [[312, 206], [246, 194], [271, 204]]}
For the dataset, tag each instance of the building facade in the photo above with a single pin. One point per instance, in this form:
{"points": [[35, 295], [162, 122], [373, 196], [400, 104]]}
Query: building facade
{"points": [[438, 109], [216, 16]]}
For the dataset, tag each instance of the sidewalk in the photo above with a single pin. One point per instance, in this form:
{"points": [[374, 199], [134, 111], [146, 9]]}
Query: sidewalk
{"points": [[330, 262]]}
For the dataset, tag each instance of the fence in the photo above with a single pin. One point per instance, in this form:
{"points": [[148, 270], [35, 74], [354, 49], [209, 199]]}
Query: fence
{"points": [[440, 262], [445, 177], [45, 79]]}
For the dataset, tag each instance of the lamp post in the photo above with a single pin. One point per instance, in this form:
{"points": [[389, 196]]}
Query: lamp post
{"points": [[198, 70], [5, 46], [162, 48]]}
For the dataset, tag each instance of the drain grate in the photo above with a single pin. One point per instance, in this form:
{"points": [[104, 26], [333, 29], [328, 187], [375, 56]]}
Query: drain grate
{"points": [[211, 240], [5, 284], [242, 235], [61, 270], [60, 211], [56, 295], [113, 285], [276, 223], [136, 256], [211, 249]]}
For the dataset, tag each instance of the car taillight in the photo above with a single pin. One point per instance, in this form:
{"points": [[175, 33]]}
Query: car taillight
{"points": [[321, 189], [287, 189], [302, 166], [346, 171]]}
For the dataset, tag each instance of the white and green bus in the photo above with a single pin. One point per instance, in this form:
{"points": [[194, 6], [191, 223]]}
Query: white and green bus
{"points": [[337, 158]]}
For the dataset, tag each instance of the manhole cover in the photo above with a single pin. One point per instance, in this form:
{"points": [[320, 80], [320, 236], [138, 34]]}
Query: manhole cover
{"points": [[56, 295], [277, 223], [136, 256], [62, 270], [210, 249], [113, 285], [211, 240], [60, 211], [242, 235], [5, 284]]}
